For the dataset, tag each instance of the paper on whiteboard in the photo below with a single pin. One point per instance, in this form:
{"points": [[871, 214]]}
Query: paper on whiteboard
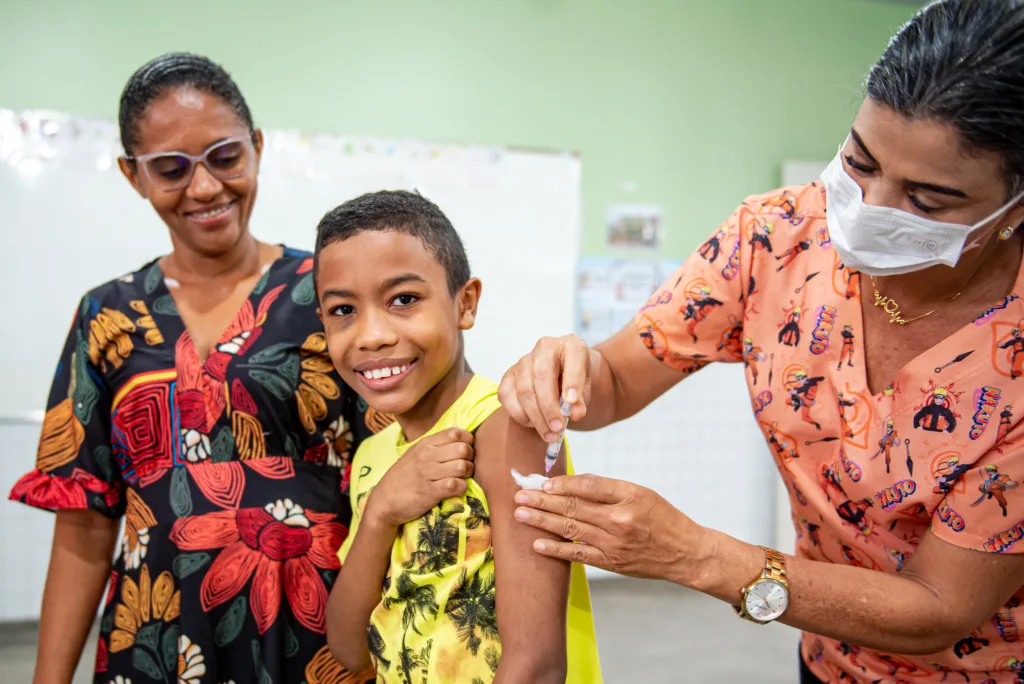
{"points": [[633, 226], [609, 292]]}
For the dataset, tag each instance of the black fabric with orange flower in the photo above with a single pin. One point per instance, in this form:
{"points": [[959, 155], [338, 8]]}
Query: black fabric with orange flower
{"points": [[231, 474]]}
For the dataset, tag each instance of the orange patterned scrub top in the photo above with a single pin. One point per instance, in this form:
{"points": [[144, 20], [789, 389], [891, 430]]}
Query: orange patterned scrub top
{"points": [[940, 448]]}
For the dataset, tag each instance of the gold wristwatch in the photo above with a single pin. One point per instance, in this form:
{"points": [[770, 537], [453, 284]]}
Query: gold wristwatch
{"points": [[766, 598]]}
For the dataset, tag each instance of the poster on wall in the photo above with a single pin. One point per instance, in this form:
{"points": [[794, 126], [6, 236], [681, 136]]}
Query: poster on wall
{"points": [[633, 226], [610, 291]]}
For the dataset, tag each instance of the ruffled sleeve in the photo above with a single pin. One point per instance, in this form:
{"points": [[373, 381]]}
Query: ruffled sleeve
{"points": [[75, 468]]}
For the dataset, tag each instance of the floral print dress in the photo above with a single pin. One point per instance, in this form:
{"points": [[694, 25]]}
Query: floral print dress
{"points": [[231, 475]]}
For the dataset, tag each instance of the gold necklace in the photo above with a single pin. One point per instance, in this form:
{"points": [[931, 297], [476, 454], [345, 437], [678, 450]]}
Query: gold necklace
{"points": [[889, 305]]}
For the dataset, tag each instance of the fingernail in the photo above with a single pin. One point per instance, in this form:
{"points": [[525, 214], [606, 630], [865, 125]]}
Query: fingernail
{"points": [[556, 424], [550, 437], [571, 396], [522, 514], [547, 486], [522, 497], [539, 546]]}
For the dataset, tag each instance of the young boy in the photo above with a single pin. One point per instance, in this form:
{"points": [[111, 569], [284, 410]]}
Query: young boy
{"points": [[439, 583]]}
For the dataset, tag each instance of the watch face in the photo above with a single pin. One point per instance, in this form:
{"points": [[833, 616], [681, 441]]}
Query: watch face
{"points": [[766, 600]]}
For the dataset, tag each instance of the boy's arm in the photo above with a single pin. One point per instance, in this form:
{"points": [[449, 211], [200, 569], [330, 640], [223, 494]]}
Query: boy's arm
{"points": [[531, 590], [357, 591], [431, 470]]}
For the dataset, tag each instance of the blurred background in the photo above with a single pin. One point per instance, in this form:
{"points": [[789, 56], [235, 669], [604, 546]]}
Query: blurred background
{"points": [[650, 120]]}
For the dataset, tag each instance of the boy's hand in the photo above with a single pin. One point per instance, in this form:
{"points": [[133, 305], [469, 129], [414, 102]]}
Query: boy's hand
{"points": [[433, 469]]}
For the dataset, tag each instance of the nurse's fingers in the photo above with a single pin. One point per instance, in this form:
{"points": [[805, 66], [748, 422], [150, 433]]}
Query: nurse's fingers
{"points": [[593, 488], [545, 373], [509, 399], [583, 554], [576, 375], [567, 506], [526, 394], [566, 528]]}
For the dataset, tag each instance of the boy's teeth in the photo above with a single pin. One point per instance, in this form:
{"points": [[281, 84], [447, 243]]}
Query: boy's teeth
{"points": [[378, 373]]}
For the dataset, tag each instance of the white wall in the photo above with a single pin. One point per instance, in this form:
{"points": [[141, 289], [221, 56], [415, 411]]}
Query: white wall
{"points": [[25, 533]]}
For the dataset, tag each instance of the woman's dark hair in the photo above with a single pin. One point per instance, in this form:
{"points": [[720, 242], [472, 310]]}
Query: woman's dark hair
{"points": [[962, 62], [167, 72]]}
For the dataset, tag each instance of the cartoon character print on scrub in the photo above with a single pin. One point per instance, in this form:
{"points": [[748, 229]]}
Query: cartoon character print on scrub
{"points": [[941, 448]]}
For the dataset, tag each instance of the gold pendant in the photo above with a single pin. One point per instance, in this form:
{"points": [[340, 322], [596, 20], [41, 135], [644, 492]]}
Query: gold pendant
{"points": [[890, 307]]}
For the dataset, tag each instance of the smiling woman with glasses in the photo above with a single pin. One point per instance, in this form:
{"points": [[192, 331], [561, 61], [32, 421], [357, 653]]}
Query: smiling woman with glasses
{"points": [[225, 160], [195, 399]]}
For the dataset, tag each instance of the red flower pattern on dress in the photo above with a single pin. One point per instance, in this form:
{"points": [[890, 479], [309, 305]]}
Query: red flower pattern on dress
{"points": [[176, 405], [280, 540], [43, 490], [241, 400], [102, 655], [141, 433]]}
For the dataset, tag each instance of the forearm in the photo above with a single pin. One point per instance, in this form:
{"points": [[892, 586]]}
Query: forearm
{"points": [[624, 379], [533, 670], [890, 612], [357, 592], [80, 561]]}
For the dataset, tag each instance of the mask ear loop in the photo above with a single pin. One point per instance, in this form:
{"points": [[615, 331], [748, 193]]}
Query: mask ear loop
{"points": [[1005, 233]]}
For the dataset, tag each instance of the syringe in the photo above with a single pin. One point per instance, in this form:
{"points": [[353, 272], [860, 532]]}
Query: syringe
{"points": [[551, 456]]}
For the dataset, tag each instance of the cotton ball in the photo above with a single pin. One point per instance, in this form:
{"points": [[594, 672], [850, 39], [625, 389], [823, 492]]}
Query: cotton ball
{"points": [[534, 481]]}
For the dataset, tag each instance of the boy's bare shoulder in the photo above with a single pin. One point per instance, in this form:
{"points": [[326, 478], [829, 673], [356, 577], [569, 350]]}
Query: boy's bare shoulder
{"points": [[500, 433], [502, 444]]}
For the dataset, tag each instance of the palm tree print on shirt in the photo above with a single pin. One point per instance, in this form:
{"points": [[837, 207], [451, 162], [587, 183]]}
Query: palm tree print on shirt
{"points": [[418, 602], [471, 608], [437, 544]]}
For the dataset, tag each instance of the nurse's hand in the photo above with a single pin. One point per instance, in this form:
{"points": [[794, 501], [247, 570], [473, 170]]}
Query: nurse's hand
{"points": [[530, 390], [623, 528]]}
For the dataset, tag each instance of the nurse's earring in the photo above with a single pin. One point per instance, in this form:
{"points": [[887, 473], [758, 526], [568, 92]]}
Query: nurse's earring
{"points": [[1007, 233]]}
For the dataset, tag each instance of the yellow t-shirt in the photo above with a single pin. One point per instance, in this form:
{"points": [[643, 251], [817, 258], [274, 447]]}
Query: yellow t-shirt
{"points": [[436, 622]]}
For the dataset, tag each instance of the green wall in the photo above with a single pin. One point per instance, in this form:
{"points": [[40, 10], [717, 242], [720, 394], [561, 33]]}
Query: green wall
{"points": [[691, 104]]}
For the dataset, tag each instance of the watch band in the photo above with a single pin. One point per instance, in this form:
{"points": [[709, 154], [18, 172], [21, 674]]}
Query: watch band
{"points": [[774, 569], [774, 566]]}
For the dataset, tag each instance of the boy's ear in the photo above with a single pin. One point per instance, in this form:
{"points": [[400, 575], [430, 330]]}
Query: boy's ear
{"points": [[467, 298], [320, 314]]}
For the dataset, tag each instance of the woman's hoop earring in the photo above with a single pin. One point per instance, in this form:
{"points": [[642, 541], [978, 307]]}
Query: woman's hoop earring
{"points": [[1007, 233]]}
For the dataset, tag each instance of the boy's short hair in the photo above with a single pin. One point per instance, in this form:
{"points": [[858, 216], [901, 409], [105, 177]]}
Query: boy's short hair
{"points": [[399, 210]]}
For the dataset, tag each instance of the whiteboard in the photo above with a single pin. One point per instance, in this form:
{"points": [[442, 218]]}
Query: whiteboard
{"points": [[71, 222]]}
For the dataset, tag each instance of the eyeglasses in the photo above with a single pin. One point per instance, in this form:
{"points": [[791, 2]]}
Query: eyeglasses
{"points": [[225, 160]]}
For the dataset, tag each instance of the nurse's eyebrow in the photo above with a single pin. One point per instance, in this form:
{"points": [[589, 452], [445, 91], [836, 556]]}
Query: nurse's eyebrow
{"points": [[931, 187], [863, 147]]}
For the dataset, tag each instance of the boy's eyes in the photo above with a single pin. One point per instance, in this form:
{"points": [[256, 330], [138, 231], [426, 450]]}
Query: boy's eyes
{"points": [[343, 310], [401, 300]]}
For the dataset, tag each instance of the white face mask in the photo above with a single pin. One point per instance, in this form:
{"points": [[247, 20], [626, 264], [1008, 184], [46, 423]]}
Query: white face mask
{"points": [[882, 241]]}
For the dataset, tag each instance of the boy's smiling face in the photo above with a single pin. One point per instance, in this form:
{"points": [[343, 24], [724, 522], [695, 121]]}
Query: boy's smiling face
{"points": [[393, 329]]}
